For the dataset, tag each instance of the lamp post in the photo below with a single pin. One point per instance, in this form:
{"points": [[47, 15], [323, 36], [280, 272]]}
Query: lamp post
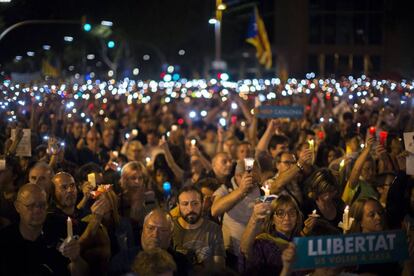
{"points": [[220, 7]]}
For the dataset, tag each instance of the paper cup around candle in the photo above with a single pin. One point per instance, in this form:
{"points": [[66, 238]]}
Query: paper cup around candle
{"points": [[92, 179], [248, 164]]}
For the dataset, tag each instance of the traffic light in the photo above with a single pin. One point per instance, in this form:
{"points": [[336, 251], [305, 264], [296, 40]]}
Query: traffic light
{"points": [[87, 27], [111, 44]]}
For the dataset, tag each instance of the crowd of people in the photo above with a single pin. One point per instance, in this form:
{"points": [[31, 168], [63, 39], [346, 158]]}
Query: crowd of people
{"points": [[173, 178]]}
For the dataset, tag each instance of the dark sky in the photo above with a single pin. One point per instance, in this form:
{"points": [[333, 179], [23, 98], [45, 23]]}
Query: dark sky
{"points": [[166, 26]]}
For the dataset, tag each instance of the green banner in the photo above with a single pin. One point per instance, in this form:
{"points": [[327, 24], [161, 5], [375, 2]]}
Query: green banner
{"points": [[350, 249]]}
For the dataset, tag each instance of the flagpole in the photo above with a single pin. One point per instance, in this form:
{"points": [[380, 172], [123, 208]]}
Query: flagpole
{"points": [[217, 30]]}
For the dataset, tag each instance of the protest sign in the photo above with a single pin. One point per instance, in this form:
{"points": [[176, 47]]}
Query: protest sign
{"points": [[351, 249], [24, 148]]}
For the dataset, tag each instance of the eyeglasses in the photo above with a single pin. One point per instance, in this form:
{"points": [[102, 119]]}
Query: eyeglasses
{"points": [[32, 206], [280, 213]]}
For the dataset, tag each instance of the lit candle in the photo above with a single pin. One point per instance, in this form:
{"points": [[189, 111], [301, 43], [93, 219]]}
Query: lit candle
{"points": [[69, 228], [266, 190], [311, 144], [193, 142], [312, 148], [345, 218], [372, 131], [342, 164], [248, 164], [383, 137], [92, 179], [358, 127], [115, 154], [174, 127], [314, 214], [148, 160], [135, 132]]}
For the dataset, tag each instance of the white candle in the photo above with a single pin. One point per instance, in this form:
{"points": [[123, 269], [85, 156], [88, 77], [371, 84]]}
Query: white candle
{"points": [[148, 160], [345, 218], [314, 213], [135, 132], [69, 228], [193, 142]]}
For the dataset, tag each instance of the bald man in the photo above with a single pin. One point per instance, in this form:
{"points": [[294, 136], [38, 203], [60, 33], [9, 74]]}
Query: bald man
{"points": [[41, 174], [27, 248], [156, 233]]}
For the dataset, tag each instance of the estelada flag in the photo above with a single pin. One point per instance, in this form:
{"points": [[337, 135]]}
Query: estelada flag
{"points": [[257, 36]]}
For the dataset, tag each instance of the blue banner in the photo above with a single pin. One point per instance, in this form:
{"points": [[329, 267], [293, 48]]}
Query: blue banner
{"points": [[274, 111], [350, 249]]}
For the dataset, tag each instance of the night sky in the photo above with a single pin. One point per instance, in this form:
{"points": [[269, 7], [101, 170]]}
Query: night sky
{"points": [[158, 27]]}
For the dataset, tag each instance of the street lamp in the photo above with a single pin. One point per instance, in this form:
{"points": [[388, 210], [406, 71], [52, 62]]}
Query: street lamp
{"points": [[212, 21]]}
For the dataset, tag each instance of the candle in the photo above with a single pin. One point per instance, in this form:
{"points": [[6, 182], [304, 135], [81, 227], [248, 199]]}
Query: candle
{"points": [[248, 164], [92, 179], [358, 127], [383, 137], [193, 142], [312, 148], [372, 131], [135, 132], [311, 144], [314, 214], [345, 218], [148, 160], [321, 135], [115, 154], [342, 164], [266, 190], [174, 127], [69, 228]]}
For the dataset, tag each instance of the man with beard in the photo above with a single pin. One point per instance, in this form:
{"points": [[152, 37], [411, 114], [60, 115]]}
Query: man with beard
{"points": [[29, 248], [156, 233], [201, 240], [64, 195]]}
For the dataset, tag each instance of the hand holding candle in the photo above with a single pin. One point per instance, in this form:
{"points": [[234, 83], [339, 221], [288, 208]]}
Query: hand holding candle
{"points": [[314, 214]]}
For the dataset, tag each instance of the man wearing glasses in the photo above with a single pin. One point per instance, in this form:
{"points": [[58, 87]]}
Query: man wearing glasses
{"points": [[27, 249], [289, 170]]}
